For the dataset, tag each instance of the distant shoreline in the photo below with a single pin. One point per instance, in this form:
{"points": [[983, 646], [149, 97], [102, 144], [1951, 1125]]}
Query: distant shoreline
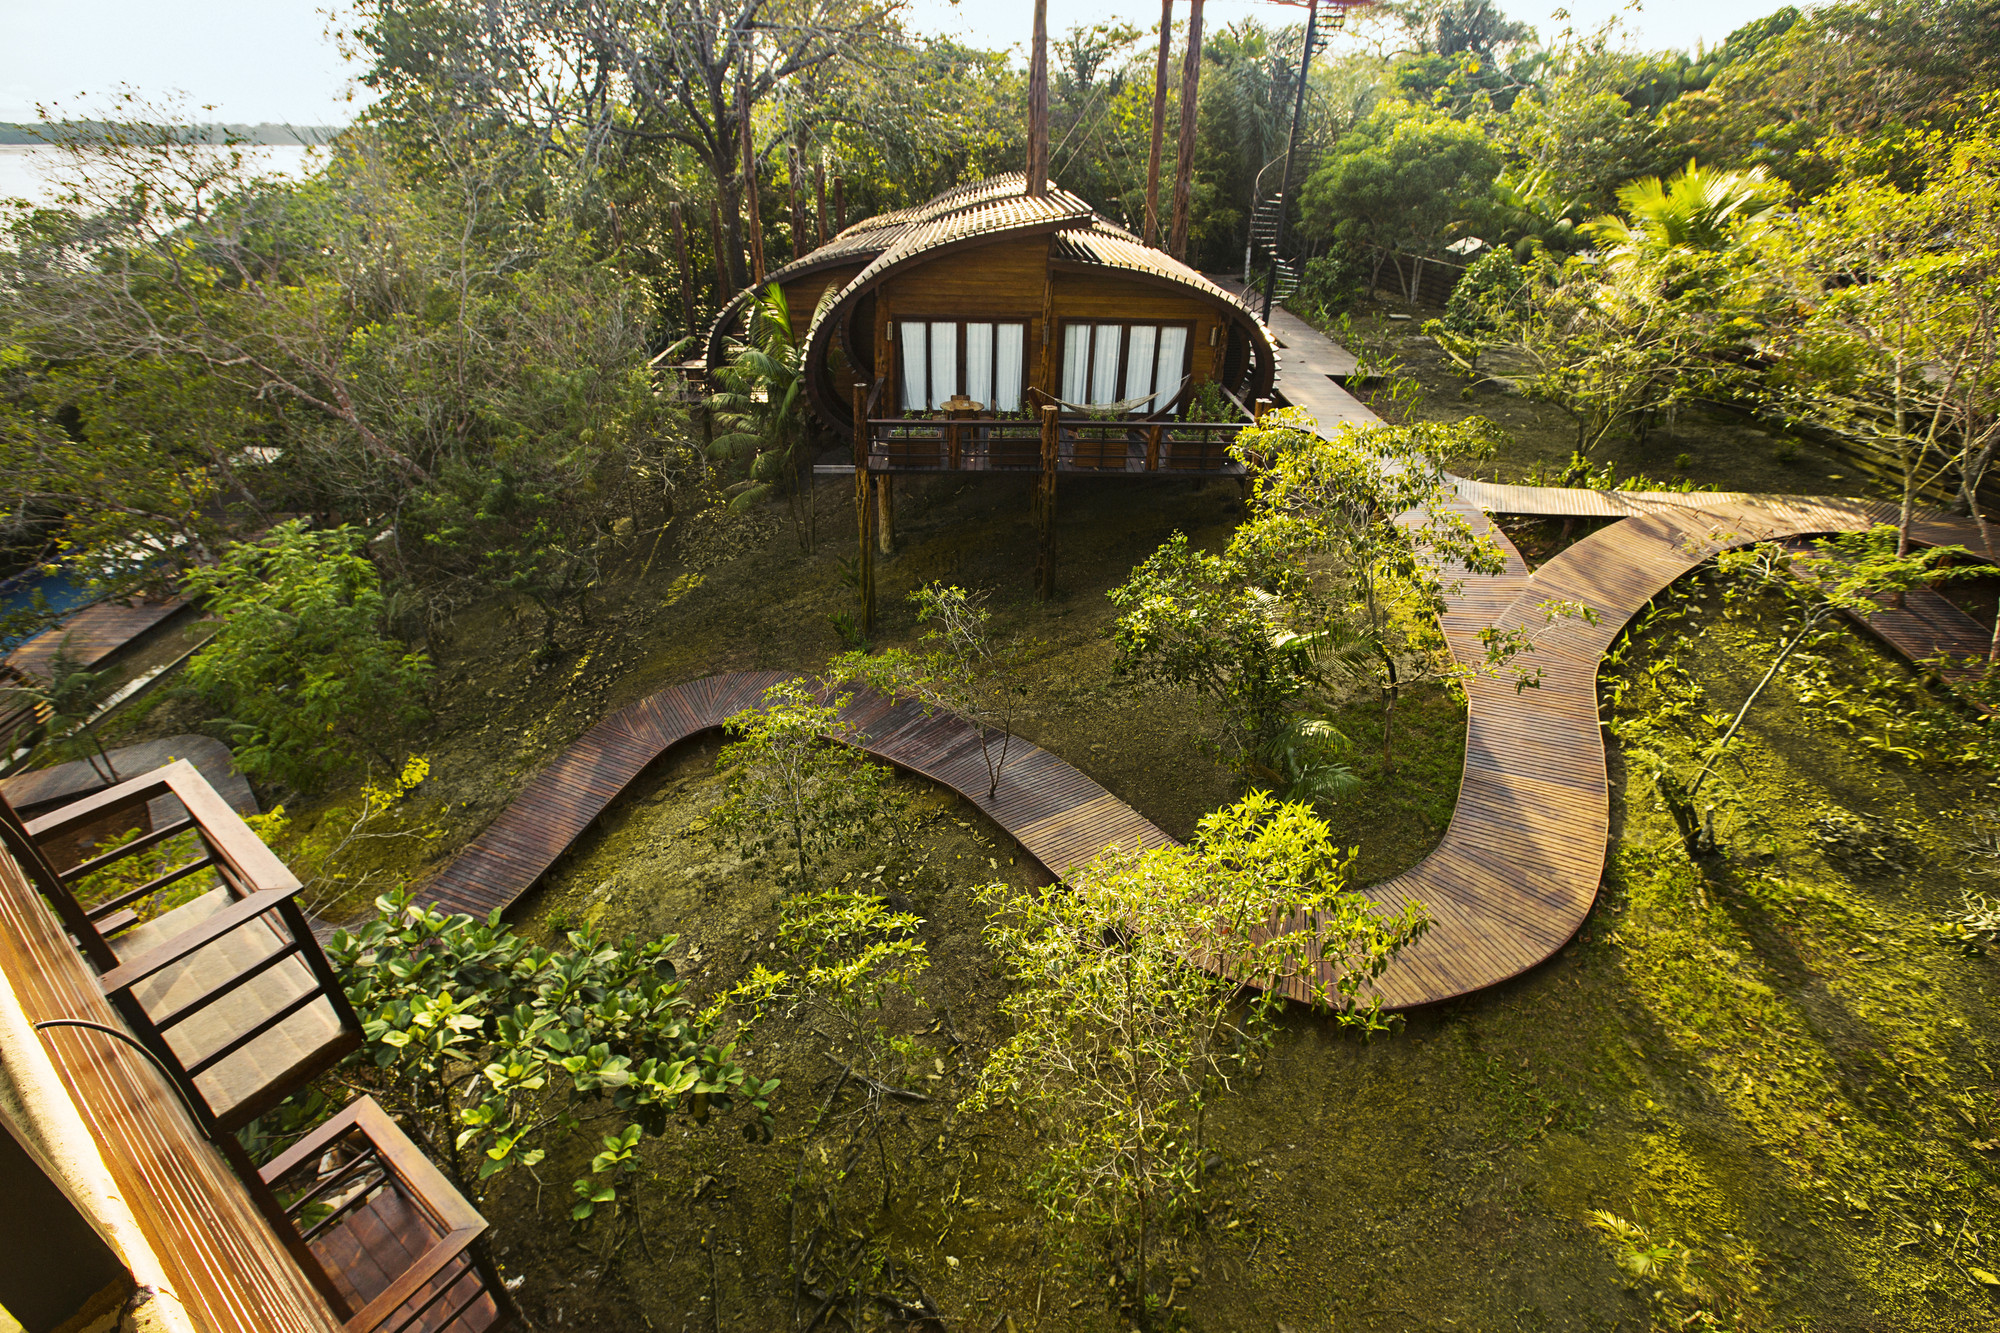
{"points": [[265, 134]]}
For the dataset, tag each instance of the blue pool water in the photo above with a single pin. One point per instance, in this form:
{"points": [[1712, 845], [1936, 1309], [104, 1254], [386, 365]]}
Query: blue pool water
{"points": [[18, 594]]}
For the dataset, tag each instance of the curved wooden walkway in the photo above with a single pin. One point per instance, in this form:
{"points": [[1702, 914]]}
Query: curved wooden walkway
{"points": [[1508, 885], [1058, 815]]}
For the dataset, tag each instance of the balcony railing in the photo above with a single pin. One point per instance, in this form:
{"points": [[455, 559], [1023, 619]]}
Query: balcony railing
{"points": [[236, 1005], [357, 1179], [1082, 445]]}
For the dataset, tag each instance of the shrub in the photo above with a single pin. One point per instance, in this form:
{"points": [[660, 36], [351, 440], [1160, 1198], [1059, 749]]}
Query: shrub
{"points": [[301, 674]]}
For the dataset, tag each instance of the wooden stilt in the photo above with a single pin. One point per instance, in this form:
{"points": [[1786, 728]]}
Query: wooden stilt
{"points": [[1045, 509], [864, 512], [885, 514]]}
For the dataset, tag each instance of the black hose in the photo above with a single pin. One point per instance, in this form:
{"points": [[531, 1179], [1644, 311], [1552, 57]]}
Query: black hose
{"points": [[200, 1120]]}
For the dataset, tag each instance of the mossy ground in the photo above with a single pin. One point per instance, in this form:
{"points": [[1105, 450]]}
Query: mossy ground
{"points": [[1787, 1056]]}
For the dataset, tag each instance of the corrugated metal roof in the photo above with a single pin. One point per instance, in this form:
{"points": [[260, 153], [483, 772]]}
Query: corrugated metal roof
{"points": [[1109, 246]]}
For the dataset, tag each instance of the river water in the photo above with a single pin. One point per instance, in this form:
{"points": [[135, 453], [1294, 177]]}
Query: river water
{"points": [[24, 167]]}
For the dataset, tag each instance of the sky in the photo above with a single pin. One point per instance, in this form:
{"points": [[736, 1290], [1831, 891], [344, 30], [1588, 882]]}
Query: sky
{"points": [[274, 60]]}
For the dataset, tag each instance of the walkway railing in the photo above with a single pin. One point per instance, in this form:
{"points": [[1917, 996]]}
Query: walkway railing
{"points": [[1082, 445]]}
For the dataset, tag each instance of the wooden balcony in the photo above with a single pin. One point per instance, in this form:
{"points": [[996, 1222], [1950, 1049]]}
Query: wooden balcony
{"points": [[386, 1227], [230, 991], [181, 1029], [1082, 446]]}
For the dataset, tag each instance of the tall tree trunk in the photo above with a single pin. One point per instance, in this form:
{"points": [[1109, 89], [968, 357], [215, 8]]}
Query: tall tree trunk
{"points": [[819, 199], [689, 308], [724, 288], [1190, 123], [840, 203], [1038, 105], [751, 203], [800, 231], [1159, 123]]}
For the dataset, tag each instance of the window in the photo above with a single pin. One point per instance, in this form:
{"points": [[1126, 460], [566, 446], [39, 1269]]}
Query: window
{"points": [[942, 358], [1104, 364]]}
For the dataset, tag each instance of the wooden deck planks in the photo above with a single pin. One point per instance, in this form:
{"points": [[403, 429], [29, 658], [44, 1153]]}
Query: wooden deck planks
{"points": [[95, 634]]}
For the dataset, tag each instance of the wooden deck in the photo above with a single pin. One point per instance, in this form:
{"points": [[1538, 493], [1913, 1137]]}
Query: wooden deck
{"points": [[96, 634]]}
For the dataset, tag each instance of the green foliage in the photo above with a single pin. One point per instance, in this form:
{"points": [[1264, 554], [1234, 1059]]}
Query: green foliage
{"points": [[1486, 300], [1698, 208], [1405, 181], [1190, 619], [1680, 744], [1889, 324], [402, 341], [1713, 1289], [300, 672], [1209, 403], [1329, 284], [1358, 539], [494, 1047], [797, 782], [962, 670], [1524, 210], [761, 410], [1145, 992]]}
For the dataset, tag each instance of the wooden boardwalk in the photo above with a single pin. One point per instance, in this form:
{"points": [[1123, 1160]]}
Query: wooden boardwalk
{"points": [[1059, 816]]}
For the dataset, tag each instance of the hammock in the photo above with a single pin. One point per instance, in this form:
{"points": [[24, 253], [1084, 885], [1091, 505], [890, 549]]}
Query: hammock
{"points": [[1123, 405]]}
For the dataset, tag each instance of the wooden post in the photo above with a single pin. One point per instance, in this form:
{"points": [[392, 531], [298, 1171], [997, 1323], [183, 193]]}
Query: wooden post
{"points": [[1159, 123], [750, 200], [1153, 448], [1038, 105], [1259, 408], [885, 514], [688, 306], [1190, 120], [1045, 508], [819, 198], [864, 569]]}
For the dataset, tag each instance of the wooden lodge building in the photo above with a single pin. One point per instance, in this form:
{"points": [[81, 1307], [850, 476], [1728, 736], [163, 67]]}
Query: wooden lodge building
{"points": [[1002, 329]]}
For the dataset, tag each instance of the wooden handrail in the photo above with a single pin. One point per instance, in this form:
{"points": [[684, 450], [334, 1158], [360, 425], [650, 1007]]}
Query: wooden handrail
{"points": [[84, 869]]}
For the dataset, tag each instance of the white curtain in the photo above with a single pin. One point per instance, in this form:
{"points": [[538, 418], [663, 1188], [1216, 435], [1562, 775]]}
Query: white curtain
{"points": [[1139, 363], [916, 375], [944, 363], [1104, 365], [1173, 364], [979, 364], [1076, 363], [1007, 368]]}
